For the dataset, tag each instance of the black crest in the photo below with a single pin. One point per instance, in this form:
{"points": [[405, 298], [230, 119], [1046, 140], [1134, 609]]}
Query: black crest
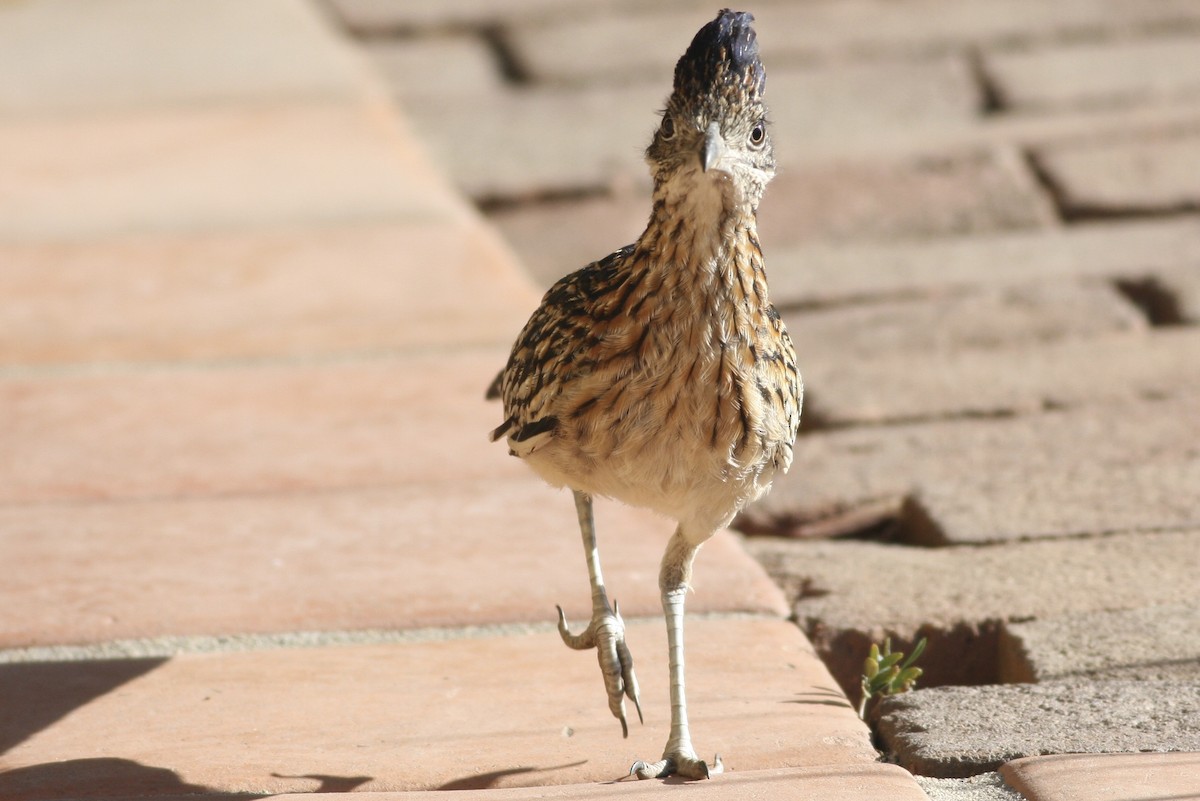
{"points": [[723, 52]]}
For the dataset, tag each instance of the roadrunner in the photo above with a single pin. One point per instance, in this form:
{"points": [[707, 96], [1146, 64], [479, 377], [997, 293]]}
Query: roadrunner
{"points": [[661, 375]]}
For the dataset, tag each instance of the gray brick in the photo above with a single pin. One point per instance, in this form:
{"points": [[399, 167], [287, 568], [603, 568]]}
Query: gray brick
{"points": [[960, 731], [964, 193], [918, 328], [518, 144], [430, 69], [815, 273], [959, 193], [1098, 74], [1094, 469], [1151, 643], [849, 594], [537, 139], [1183, 287], [1146, 175], [553, 239], [955, 381], [385, 17], [582, 47]]}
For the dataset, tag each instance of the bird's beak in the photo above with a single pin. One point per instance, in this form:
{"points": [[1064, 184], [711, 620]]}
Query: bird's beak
{"points": [[714, 147]]}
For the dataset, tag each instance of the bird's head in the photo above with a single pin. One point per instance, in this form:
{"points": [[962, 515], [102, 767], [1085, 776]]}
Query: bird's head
{"points": [[714, 128]]}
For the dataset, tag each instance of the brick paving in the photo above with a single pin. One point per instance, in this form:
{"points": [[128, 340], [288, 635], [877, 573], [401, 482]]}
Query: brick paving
{"points": [[255, 540]]}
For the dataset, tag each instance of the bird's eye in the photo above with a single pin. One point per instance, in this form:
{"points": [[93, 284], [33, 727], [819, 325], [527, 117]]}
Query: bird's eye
{"points": [[758, 134], [668, 128]]}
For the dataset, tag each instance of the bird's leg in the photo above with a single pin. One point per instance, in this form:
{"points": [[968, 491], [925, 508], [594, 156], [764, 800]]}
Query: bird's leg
{"points": [[678, 757], [606, 632]]}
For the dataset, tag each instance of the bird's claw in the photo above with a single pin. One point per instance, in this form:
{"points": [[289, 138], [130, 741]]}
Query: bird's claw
{"points": [[606, 633], [686, 766]]}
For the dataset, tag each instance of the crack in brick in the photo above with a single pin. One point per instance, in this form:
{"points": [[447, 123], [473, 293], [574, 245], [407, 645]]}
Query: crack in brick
{"points": [[1156, 302], [1072, 211], [508, 61], [992, 99], [491, 204]]}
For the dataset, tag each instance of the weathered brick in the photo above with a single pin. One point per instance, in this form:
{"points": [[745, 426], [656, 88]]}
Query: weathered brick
{"points": [[431, 69], [1094, 469], [889, 387], [849, 594], [815, 273], [966, 193], [1146, 175], [517, 144], [486, 711], [565, 138], [1097, 74], [960, 731], [375, 18], [587, 47], [917, 329], [71, 57], [959, 193], [556, 238], [1183, 289], [1149, 643]]}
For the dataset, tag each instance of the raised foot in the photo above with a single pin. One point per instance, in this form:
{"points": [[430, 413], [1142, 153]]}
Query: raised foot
{"points": [[686, 766], [606, 633]]}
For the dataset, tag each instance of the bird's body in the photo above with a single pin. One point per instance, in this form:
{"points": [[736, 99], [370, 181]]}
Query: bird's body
{"points": [[661, 375]]}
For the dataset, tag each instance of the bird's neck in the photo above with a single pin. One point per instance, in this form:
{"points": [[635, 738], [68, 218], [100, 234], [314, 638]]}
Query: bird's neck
{"points": [[698, 244]]}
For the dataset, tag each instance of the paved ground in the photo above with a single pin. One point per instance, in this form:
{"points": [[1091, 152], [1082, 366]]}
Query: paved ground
{"points": [[255, 542]]}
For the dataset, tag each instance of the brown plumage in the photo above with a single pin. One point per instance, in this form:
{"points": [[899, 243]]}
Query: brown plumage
{"points": [[661, 375]]}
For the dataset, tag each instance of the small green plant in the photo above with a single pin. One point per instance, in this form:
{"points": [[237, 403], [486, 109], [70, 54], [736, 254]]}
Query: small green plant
{"points": [[885, 674]]}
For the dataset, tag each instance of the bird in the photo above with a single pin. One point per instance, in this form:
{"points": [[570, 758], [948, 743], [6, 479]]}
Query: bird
{"points": [[661, 375]]}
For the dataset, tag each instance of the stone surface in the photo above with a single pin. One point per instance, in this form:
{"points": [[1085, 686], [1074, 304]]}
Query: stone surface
{"points": [[1183, 287], [821, 273], [371, 18], [984, 787], [834, 783], [427, 70], [251, 428], [1106, 777], [68, 56], [1060, 473], [1155, 642], [420, 555], [952, 732], [956, 194], [475, 713], [966, 320], [962, 381], [556, 139], [614, 46], [1085, 75], [847, 594], [1144, 176], [554, 239], [220, 167], [961, 194], [280, 293]]}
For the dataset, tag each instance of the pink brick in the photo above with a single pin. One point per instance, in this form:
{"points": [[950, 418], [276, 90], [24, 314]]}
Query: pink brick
{"points": [[1106, 777], [296, 293], [467, 713], [473, 552]]}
